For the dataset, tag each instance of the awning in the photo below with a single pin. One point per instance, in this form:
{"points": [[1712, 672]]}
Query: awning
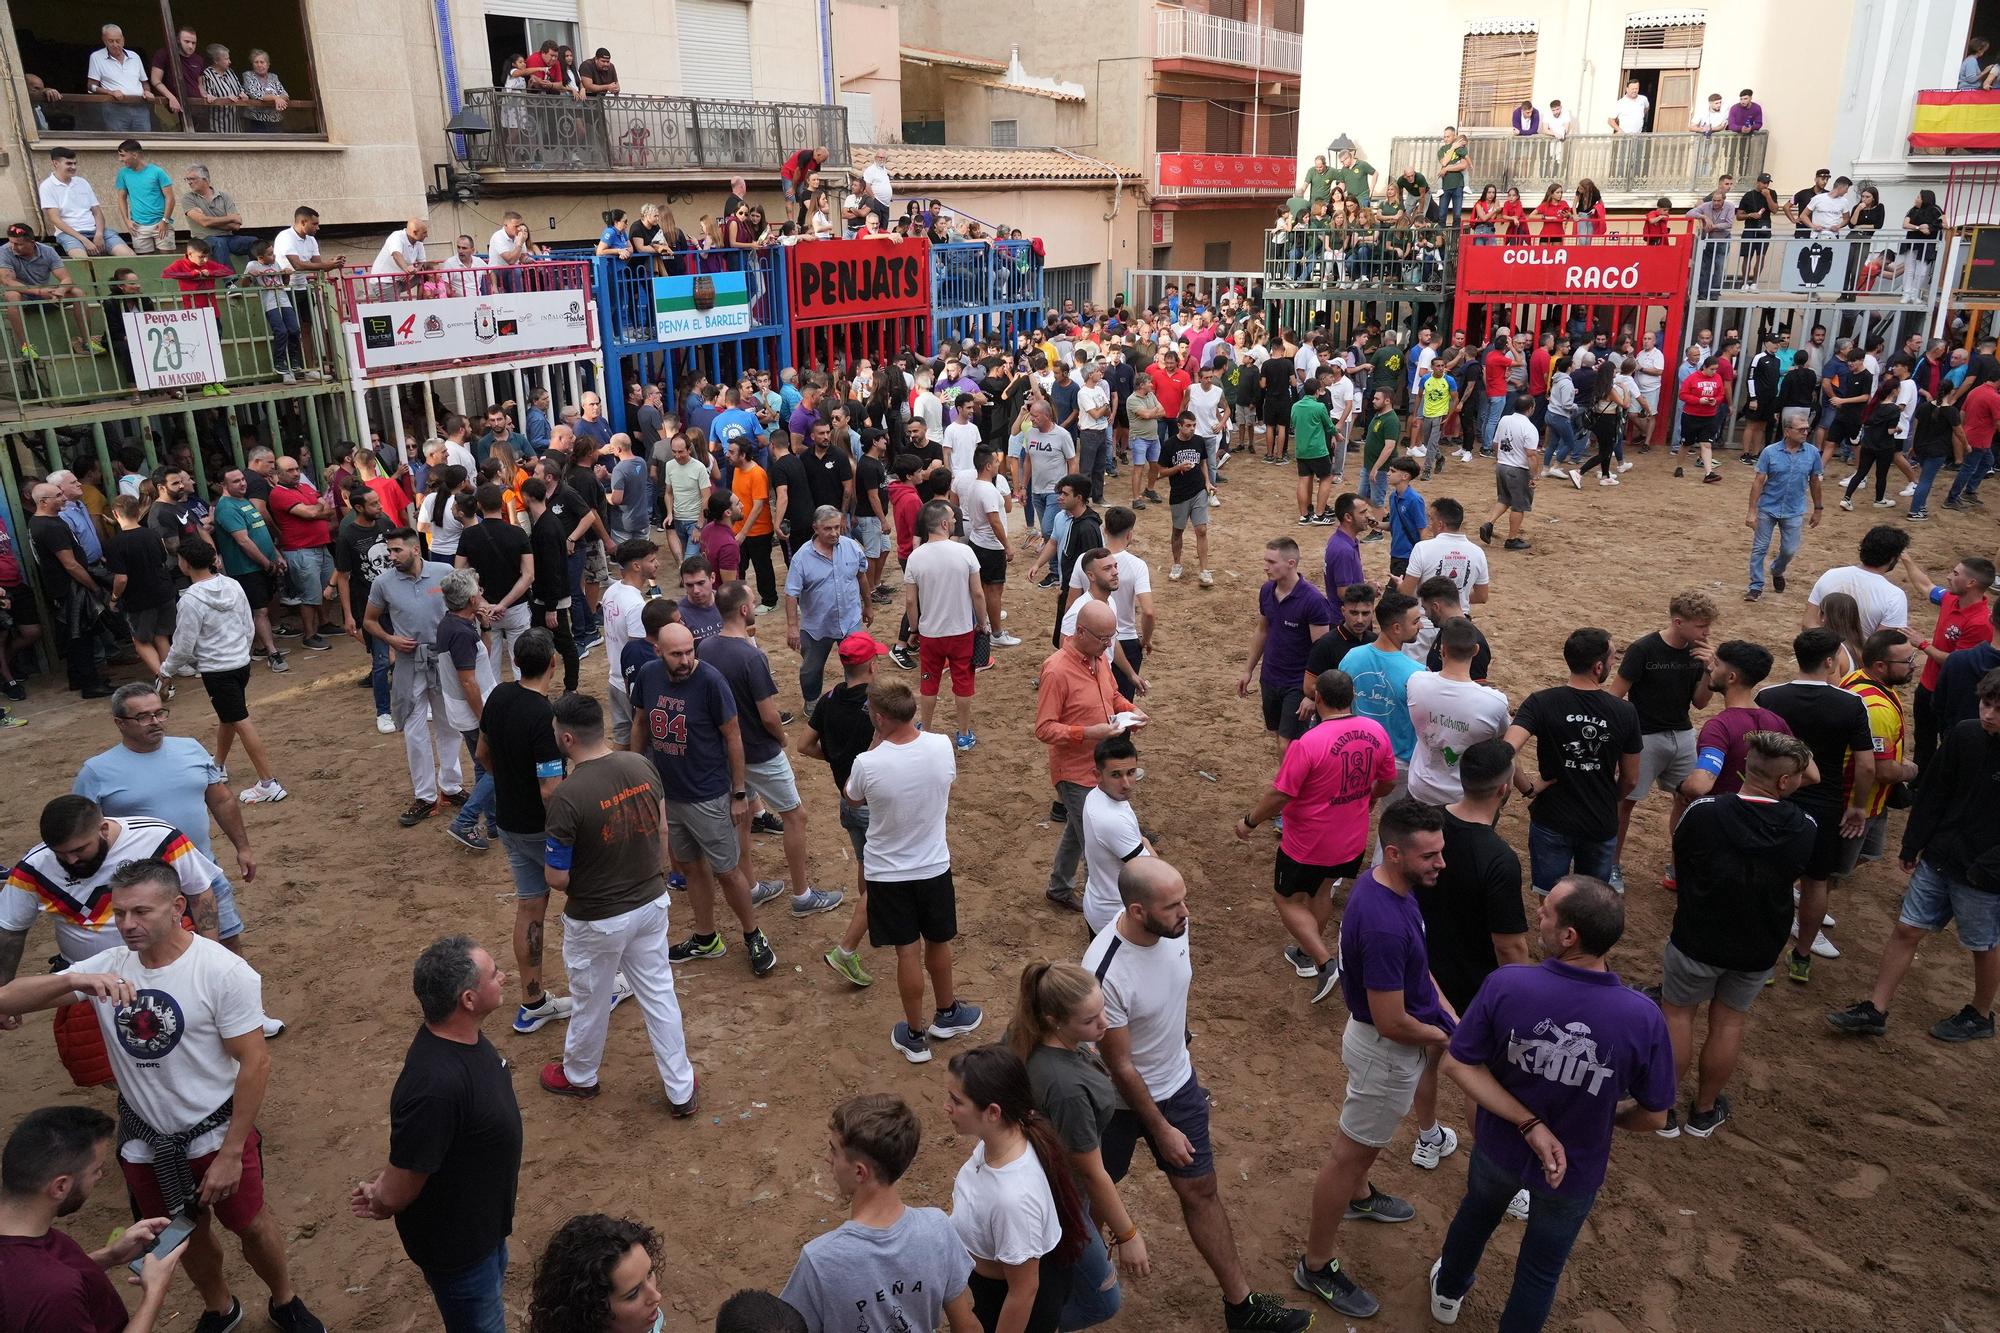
{"points": [[923, 164], [1063, 93], [1667, 18], [1490, 27]]}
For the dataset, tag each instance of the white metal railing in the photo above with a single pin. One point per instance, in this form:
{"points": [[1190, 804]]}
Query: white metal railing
{"points": [[1876, 271], [1148, 286], [1185, 35]]}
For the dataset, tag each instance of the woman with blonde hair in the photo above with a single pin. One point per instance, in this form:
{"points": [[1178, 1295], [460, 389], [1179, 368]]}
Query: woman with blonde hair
{"points": [[1058, 1019]]}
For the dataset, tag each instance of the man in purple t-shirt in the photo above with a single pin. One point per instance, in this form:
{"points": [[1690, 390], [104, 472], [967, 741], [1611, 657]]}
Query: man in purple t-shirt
{"points": [[1549, 1053], [1397, 1027], [1343, 548], [1291, 615], [1739, 668]]}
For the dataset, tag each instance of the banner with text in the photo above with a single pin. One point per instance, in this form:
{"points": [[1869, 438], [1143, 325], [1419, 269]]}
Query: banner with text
{"points": [[1227, 171], [1608, 266], [702, 305], [398, 334], [833, 280], [172, 349]]}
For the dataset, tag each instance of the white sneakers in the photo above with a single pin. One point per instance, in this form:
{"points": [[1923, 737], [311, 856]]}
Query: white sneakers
{"points": [[1429, 1152], [273, 1028], [1822, 947], [1005, 640], [1465, 455], [1624, 467], [266, 792], [1607, 481], [385, 724], [1575, 477], [1444, 1309], [1826, 920], [1207, 579], [1908, 490], [1174, 574]]}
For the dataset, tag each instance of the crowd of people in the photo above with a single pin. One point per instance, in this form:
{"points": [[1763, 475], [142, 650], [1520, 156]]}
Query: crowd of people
{"points": [[478, 565]]}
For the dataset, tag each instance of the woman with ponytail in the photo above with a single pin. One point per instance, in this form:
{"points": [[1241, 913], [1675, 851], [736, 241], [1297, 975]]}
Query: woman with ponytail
{"points": [[1013, 1205]]}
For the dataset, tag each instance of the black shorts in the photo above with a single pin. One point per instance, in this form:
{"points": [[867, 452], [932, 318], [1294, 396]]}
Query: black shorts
{"points": [[1289, 725], [1277, 409], [1399, 565], [1274, 704], [902, 911], [1699, 430], [1321, 467], [21, 605], [226, 692], [256, 587], [992, 565], [1824, 860], [1295, 879], [1186, 1109]]}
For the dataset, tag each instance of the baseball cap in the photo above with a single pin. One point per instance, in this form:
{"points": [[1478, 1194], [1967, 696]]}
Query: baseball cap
{"points": [[861, 646], [1763, 178]]}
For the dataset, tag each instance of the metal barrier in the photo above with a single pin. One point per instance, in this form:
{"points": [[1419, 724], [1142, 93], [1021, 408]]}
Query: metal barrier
{"points": [[1305, 259], [1880, 269], [1631, 164], [985, 289], [549, 132], [433, 317], [1146, 287], [1183, 34]]}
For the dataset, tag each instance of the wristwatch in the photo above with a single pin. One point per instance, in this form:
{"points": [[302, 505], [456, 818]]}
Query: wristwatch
{"points": [[741, 796]]}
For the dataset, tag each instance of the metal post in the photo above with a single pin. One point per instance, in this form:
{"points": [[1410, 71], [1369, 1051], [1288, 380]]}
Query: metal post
{"points": [[53, 448], [311, 404], [194, 450], [235, 435], [396, 422], [273, 436], [103, 455], [146, 435]]}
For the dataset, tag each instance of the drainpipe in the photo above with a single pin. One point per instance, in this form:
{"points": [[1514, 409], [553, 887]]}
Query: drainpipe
{"points": [[1117, 196], [825, 51]]}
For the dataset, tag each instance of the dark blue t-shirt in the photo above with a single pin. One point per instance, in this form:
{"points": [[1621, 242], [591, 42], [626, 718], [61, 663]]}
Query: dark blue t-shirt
{"points": [[683, 721], [748, 673], [635, 654]]}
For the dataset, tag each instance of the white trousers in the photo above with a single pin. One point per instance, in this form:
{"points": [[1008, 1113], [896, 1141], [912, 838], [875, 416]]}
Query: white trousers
{"points": [[594, 952], [432, 749], [507, 630]]}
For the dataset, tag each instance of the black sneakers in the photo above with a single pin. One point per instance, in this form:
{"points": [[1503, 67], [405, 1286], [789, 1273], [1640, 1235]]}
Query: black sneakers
{"points": [[1261, 1312], [1968, 1024], [1865, 1020], [1701, 1123]]}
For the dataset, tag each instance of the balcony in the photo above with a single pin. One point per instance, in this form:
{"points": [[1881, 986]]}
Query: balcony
{"points": [[1629, 170], [1222, 175], [540, 133], [1384, 262], [1205, 40]]}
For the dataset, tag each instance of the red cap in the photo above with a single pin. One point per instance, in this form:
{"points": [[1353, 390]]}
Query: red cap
{"points": [[861, 646]]}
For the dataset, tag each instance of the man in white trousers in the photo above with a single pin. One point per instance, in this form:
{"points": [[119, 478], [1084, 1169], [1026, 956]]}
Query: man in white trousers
{"points": [[411, 594], [605, 824]]}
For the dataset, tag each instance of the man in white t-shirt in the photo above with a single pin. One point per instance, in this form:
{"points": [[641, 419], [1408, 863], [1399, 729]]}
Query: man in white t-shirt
{"points": [[1048, 455], [905, 781], [297, 248], [511, 244], [1826, 213], [1450, 554], [638, 561], [1131, 601], [1452, 713], [1341, 400], [1652, 365], [986, 528], [183, 1023], [943, 599], [1628, 113], [1883, 605], [962, 436], [1111, 832], [1204, 399], [1093, 428], [1517, 458], [402, 254], [71, 211]]}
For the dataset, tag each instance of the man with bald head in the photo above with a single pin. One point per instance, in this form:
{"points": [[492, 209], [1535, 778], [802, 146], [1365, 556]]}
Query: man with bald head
{"points": [[684, 718], [304, 523], [402, 255], [1078, 706], [1142, 965], [76, 599]]}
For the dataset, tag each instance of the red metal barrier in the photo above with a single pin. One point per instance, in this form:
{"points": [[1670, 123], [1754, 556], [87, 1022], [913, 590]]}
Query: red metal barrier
{"points": [[858, 298]]}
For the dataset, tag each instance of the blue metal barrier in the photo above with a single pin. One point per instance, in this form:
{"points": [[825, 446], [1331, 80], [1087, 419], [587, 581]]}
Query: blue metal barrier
{"points": [[985, 290]]}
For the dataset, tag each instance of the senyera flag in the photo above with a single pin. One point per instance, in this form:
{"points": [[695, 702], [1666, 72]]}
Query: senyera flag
{"points": [[1943, 118]]}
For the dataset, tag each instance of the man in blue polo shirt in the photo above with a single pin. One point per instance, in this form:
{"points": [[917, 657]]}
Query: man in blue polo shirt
{"points": [[824, 597], [1787, 474]]}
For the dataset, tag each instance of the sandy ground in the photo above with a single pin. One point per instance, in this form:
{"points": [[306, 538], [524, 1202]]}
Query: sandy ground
{"points": [[1846, 1193]]}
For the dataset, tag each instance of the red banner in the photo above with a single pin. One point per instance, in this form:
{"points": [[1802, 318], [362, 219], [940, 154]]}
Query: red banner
{"points": [[1209, 171], [834, 280], [1605, 267]]}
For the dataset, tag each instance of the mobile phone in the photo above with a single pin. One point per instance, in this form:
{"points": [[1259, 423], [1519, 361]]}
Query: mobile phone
{"points": [[169, 1240]]}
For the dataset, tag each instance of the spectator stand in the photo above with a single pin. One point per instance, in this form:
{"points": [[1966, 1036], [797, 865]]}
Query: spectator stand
{"points": [[498, 330], [1339, 278], [851, 299], [988, 290], [1150, 287], [672, 317]]}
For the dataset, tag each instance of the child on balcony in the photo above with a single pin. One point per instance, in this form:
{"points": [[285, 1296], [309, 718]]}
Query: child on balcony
{"points": [[197, 272], [264, 273]]}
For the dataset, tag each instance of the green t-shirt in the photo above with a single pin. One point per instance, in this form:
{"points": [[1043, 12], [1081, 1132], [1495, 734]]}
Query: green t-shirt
{"points": [[1388, 373], [1355, 178], [1437, 396], [233, 516], [1452, 180], [1384, 429], [1414, 188], [1311, 424], [1319, 183]]}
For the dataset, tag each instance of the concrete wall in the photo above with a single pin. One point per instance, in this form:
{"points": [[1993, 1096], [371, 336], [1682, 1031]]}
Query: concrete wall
{"points": [[1900, 47], [865, 42], [1789, 63]]}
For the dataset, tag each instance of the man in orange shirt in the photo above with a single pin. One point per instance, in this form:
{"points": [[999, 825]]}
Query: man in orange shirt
{"points": [[752, 487], [1079, 705]]}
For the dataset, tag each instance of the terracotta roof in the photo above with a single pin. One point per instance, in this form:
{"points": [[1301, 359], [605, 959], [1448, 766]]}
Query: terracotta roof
{"points": [[956, 59], [1054, 93], [932, 163]]}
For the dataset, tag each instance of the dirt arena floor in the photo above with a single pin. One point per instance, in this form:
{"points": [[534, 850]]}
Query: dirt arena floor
{"points": [[1855, 1187]]}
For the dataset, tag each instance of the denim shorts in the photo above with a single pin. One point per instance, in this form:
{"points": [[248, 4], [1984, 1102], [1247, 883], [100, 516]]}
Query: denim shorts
{"points": [[868, 532], [526, 863], [854, 818], [308, 571], [1146, 449], [1934, 900], [771, 781]]}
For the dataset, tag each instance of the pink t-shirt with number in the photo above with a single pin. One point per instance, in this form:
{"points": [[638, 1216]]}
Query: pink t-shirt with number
{"points": [[1330, 773]]}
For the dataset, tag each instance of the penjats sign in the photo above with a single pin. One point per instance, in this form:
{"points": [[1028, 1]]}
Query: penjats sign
{"points": [[1615, 267], [841, 280]]}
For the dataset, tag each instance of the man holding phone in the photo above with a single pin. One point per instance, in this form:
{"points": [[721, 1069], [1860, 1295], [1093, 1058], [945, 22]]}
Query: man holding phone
{"points": [[183, 1021], [55, 1157]]}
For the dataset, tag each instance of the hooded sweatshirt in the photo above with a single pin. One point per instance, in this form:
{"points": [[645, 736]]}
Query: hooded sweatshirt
{"points": [[1735, 858], [211, 629]]}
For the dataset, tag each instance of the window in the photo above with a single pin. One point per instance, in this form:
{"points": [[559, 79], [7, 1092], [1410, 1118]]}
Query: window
{"points": [[1225, 127], [715, 48], [510, 35], [1004, 133], [1167, 124], [57, 41], [929, 128], [1496, 74]]}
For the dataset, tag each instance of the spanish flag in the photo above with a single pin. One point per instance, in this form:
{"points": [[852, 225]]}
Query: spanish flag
{"points": [[1947, 119]]}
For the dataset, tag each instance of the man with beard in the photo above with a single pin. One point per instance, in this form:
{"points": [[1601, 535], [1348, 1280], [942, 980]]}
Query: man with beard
{"points": [[177, 512], [409, 595]]}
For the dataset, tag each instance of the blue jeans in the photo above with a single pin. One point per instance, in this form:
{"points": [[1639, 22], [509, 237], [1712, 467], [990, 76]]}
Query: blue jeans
{"points": [[581, 621], [229, 921], [380, 659], [1562, 440], [1791, 531], [469, 1298], [812, 665], [287, 352], [1042, 509], [1553, 1223], [226, 248], [1489, 421], [482, 799], [1451, 202], [1375, 488], [1091, 1302], [1930, 468], [1551, 855], [1978, 462]]}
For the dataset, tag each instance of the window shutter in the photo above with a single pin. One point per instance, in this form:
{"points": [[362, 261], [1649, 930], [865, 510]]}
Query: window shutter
{"points": [[1166, 124], [715, 48], [1225, 127], [1496, 74]]}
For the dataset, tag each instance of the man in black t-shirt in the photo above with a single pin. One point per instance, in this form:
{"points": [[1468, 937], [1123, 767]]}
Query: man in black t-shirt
{"points": [[1665, 674], [517, 745], [829, 474], [548, 598], [839, 728], [1834, 724], [590, 571], [176, 512], [360, 556], [1473, 918], [791, 496], [1738, 855], [1587, 754], [1356, 626], [454, 1140], [76, 598], [498, 552], [871, 508], [1184, 465]]}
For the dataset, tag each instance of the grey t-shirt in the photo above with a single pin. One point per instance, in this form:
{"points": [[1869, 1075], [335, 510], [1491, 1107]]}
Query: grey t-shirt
{"points": [[33, 270], [1074, 1091], [1050, 455], [415, 605], [880, 1278], [216, 205]]}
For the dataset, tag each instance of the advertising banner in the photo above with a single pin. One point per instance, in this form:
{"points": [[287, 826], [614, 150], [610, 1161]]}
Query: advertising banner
{"points": [[172, 349], [851, 279], [1611, 268], [701, 305], [399, 334], [1227, 171]]}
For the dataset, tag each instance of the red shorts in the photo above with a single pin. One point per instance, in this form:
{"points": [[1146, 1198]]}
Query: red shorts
{"points": [[934, 655], [236, 1212]]}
